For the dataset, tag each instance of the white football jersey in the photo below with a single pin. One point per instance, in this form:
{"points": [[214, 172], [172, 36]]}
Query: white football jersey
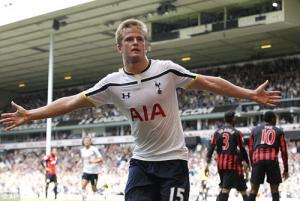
{"points": [[91, 153], [149, 101]]}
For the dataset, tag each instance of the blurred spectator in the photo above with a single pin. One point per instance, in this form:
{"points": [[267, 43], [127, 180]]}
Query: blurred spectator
{"points": [[20, 169], [283, 74]]}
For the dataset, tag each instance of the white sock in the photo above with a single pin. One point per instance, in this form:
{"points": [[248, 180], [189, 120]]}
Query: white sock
{"points": [[84, 194]]}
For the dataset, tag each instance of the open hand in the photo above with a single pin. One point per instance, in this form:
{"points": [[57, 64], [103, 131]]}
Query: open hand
{"points": [[285, 175], [12, 120], [269, 98], [206, 171], [245, 166]]}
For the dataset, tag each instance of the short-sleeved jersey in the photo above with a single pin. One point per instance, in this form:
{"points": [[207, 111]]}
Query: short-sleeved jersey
{"points": [[91, 153], [264, 144], [228, 140], [149, 101], [51, 161]]}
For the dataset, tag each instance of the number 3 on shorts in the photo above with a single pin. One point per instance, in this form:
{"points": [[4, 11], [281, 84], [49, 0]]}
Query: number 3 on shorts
{"points": [[177, 194]]}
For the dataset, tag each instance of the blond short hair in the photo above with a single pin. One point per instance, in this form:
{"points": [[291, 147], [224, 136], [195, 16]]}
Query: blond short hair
{"points": [[129, 23]]}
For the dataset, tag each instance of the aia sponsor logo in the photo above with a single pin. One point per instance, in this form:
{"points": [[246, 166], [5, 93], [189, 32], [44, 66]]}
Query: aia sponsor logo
{"points": [[147, 113]]}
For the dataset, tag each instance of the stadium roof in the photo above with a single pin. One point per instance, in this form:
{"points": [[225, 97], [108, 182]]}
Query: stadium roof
{"points": [[85, 48]]}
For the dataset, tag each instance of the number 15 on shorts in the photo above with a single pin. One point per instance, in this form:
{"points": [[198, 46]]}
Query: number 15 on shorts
{"points": [[177, 194]]}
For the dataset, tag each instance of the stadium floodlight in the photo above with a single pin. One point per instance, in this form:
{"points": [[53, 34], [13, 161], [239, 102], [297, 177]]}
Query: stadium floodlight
{"points": [[68, 77], [59, 22], [165, 7], [186, 58], [21, 85], [266, 46], [275, 4]]}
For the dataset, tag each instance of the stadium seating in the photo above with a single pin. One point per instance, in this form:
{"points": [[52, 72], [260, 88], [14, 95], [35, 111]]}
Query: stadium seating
{"points": [[20, 171]]}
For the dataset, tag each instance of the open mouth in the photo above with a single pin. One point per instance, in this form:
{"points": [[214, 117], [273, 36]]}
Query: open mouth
{"points": [[135, 50]]}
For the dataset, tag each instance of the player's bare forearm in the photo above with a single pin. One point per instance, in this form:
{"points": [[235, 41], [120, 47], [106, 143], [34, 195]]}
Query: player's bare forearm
{"points": [[210, 152], [244, 155], [222, 87], [79, 164], [42, 164], [98, 160], [251, 149], [56, 108], [245, 166], [242, 148], [59, 107], [284, 156], [284, 152], [225, 88]]}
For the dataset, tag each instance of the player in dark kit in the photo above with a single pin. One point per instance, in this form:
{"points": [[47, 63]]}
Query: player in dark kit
{"points": [[264, 144], [228, 142], [49, 164]]}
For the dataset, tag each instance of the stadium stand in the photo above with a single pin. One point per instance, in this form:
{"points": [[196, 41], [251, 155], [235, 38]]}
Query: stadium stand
{"points": [[20, 171], [283, 74]]}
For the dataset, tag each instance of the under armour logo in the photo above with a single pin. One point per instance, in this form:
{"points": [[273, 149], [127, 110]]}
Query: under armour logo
{"points": [[125, 95], [159, 91]]}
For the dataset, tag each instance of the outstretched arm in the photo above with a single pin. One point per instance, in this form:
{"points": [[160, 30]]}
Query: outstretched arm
{"points": [[210, 152], [42, 164], [97, 160], [284, 155], [251, 148], [242, 149], [223, 87], [56, 108]]}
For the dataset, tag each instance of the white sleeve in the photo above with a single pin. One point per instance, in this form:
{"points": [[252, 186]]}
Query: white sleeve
{"points": [[99, 94], [182, 76], [98, 155]]}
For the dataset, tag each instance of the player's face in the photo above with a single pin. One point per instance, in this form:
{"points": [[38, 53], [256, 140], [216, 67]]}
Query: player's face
{"points": [[54, 152], [87, 142], [133, 45]]}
